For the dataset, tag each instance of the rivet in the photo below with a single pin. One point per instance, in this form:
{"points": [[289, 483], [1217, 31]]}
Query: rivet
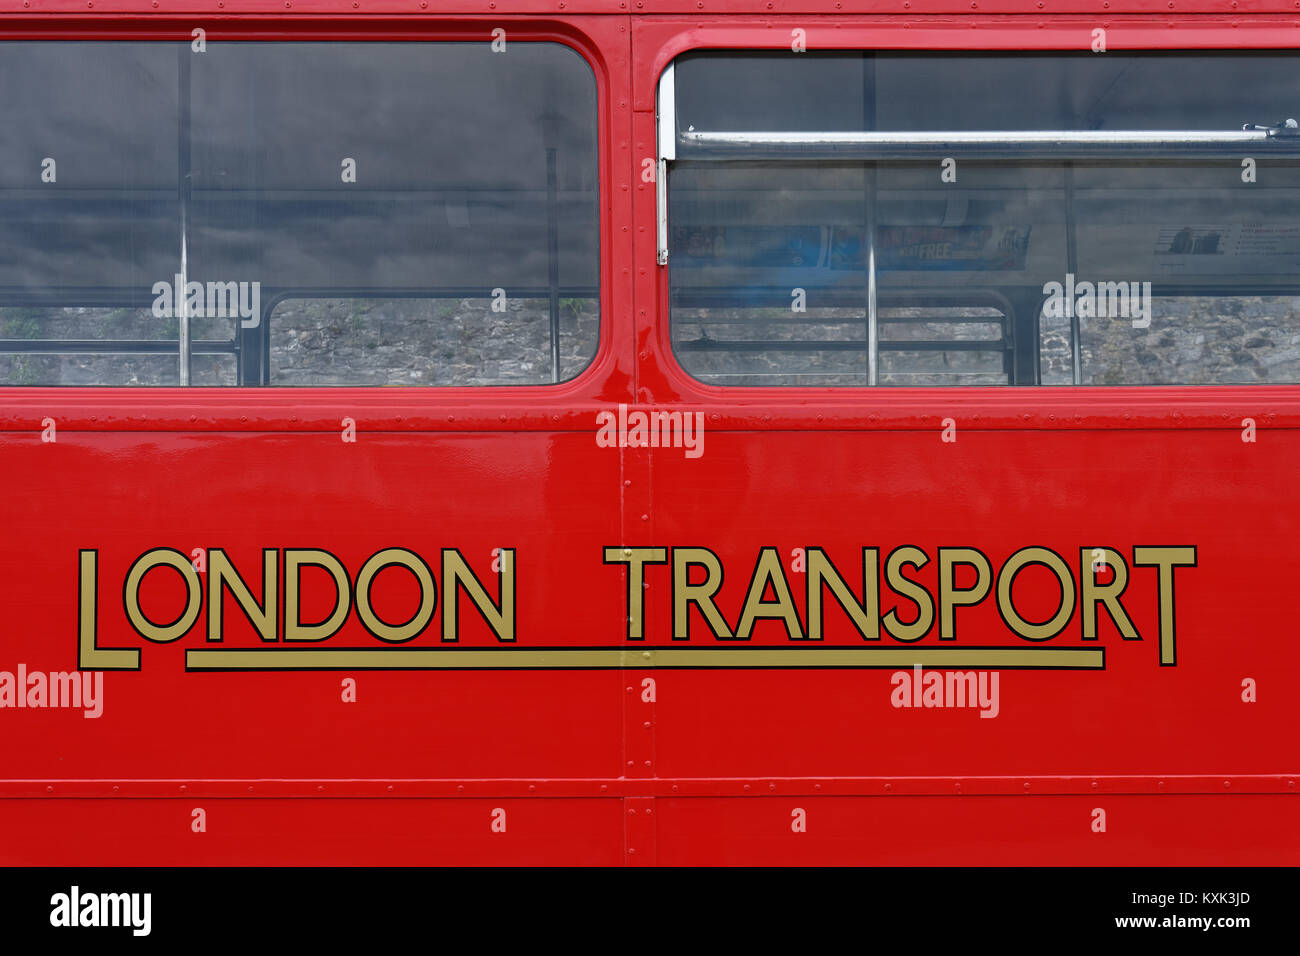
{"points": [[532, 787], [645, 517], [390, 788], [649, 812], [631, 813], [182, 788], [747, 785], [630, 763], [115, 788], [629, 690], [603, 788], [1026, 786], [674, 788], [627, 552], [647, 763], [771, 786], [889, 786], [49, 789], [632, 850], [646, 725], [1227, 784], [1160, 785], [645, 654], [817, 786], [460, 787], [319, 788], [1094, 785]]}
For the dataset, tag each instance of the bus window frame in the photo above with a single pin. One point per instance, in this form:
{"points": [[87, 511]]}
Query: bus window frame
{"points": [[271, 407], [656, 44]]}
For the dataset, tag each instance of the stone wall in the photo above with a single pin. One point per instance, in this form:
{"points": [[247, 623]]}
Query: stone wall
{"points": [[409, 341], [386, 342]]}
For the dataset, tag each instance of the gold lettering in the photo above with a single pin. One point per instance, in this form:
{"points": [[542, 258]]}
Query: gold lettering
{"points": [[1006, 577], [222, 572], [90, 657], [1166, 559], [949, 600], [163, 633], [701, 595], [865, 616], [294, 561], [905, 587], [1093, 594], [636, 559], [396, 633], [455, 572], [769, 570]]}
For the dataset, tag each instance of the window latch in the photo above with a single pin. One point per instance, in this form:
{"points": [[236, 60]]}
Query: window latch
{"points": [[1287, 127]]}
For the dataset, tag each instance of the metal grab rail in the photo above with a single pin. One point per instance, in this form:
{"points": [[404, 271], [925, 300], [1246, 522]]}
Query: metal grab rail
{"points": [[879, 144]]}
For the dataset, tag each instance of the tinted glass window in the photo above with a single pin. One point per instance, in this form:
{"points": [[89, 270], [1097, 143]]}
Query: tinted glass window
{"points": [[329, 209], [1144, 265]]}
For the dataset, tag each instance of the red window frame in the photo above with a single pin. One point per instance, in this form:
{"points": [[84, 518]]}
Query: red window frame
{"points": [[656, 42], [601, 41]]}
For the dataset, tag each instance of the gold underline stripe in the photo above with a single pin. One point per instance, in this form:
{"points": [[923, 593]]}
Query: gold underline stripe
{"points": [[428, 658]]}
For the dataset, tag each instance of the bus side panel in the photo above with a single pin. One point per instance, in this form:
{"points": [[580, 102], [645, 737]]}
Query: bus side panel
{"points": [[549, 497], [312, 832], [1224, 706], [1184, 830]]}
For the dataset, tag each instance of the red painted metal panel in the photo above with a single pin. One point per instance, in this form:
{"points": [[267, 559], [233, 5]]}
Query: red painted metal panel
{"points": [[124, 494], [972, 831], [312, 832], [911, 10], [1067, 491], [678, 765]]}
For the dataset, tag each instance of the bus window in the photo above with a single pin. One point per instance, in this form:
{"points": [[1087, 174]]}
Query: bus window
{"points": [[297, 214], [979, 219]]}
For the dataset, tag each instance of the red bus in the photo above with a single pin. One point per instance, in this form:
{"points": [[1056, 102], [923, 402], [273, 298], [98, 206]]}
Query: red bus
{"points": [[649, 432]]}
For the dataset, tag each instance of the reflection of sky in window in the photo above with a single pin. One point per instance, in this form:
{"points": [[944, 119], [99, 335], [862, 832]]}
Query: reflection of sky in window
{"points": [[992, 91], [450, 142]]}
